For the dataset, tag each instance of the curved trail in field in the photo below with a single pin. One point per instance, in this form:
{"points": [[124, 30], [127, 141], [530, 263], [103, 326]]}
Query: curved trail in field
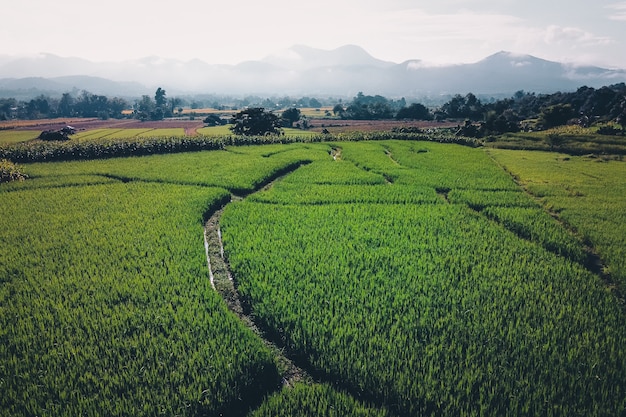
{"points": [[222, 281], [192, 130]]}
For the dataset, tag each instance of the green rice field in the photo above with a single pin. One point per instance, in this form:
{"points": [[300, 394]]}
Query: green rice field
{"points": [[12, 136], [404, 278]]}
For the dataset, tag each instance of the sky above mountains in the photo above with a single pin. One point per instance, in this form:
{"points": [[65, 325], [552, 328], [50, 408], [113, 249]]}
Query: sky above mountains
{"points": [[230, 32]]}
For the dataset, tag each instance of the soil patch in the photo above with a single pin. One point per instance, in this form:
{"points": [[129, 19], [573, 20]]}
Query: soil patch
{"points": [[190, 126], [345, 126]]}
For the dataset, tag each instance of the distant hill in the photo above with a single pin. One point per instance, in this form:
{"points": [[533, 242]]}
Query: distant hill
{"points": [[299, 70], [505, 72], [305, 58], [26, 88]]}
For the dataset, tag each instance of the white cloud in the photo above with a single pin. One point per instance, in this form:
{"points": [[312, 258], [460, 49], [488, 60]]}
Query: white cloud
{"points": [[619, 11], [461, 36], [557, 35], [448, 31]]}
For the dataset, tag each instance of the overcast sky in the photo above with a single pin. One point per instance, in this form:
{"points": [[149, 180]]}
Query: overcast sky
{"points": [[232, 31]]}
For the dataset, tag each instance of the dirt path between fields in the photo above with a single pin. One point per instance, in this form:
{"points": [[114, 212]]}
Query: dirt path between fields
{"points": [[192, 130], [223, 282]]}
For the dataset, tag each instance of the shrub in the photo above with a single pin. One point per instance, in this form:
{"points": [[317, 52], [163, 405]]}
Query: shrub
{"points": [[10, 171], [609, 131]]}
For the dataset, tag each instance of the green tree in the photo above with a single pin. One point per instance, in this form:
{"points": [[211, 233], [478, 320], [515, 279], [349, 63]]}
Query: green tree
{"points": [[368, 108], [144, 107], [255, 121], [38, 108], [92, 105], [468, 107], [290, 116], [159, 97], [338, 110], [496, 124], [157, 114], [7, 106], [161, 110], [116, 106], [415, 111], [556, 115], [173, 103], [66, 105], [315, 103]]}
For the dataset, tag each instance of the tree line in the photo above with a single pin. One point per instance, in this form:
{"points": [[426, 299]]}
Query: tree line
{"points": [[87, 104], [146, 107], [523, 110]]}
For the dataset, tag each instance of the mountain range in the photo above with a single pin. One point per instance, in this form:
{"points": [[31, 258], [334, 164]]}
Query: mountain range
{"points": [[299, 70]]}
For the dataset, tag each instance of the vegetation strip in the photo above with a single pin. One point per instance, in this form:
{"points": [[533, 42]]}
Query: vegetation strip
{"points": [[99, 148]]}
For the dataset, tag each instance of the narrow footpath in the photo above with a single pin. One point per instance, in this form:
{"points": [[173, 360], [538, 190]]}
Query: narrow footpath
{"points": [[223, 282]]}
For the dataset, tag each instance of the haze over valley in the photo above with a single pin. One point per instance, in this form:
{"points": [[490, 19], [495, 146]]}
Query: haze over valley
{"points": [[298, 70]]}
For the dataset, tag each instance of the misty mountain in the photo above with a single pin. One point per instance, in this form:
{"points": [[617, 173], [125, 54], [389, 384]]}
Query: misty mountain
{"points": [[505, 72], [299, 70], [305, 58], [26, 88]]}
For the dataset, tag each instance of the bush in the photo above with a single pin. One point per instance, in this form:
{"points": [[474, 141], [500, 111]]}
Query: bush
{"points": [[609, 131], [214, 120], [10, 171], [53, 135]]}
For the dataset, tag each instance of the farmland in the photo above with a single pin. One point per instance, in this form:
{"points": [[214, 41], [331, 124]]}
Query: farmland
{"points": [[120, 308], [574, 140], [370, 295], [587, 192], [88, 128], [406, 277], [93, 129]]}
